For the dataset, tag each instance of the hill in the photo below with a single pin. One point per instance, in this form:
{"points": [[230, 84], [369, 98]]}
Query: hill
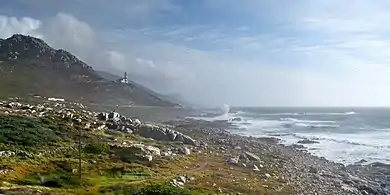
{"points": [[28, 65]]}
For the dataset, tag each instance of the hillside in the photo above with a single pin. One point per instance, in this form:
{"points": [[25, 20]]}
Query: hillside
{"points": [[30, 66]]}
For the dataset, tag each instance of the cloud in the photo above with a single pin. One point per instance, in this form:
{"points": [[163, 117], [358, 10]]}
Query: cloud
{"points": [[310, 53], [67, 32], [13, 25]]}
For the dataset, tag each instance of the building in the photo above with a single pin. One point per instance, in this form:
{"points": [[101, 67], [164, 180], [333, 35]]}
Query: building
{"points": [[124, 79]]}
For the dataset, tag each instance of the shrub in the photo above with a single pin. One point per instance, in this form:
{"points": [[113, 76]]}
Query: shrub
{"points": [[26, 131], [159, 189], [97, 147]]}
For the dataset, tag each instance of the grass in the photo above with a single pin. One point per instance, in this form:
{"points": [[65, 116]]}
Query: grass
{"points": [[25, 131], [103, 171]]}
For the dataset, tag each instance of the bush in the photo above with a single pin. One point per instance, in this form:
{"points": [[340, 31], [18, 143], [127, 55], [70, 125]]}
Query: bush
{"points": [[97, 147], [162, 190], [26, 131]]}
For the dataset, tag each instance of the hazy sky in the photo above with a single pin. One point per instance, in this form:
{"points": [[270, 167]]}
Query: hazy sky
{"points": [[247, 52]]}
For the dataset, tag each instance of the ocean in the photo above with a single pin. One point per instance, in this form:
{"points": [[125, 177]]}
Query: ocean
{"points": [[344, 135]]}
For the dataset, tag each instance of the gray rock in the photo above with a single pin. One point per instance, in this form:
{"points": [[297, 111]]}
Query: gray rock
{"points": [[102, 116], [179, 138], [137, 122], [233, 160], [252, 156], [7, 153], [188, 140], [140, 151], [313, 170], [154, 132], [114, 116], [307, 141], [171, 134], [183, 179], [186, 151], [148, 158], [177, 184]]}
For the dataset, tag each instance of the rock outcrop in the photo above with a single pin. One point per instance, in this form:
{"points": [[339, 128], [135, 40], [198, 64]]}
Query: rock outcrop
{"points": [[114, 121]]}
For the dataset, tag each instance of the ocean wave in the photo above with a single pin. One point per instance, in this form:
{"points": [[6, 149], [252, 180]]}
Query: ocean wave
{"points": [[299, 114], [316, 125], [305, 121], [340, 141], [329, 113], [280, 114]]}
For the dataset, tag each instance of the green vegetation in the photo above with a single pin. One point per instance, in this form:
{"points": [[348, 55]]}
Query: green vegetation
{"points": [[95, 147], [26, 131], [159, 189], [106, 169]]}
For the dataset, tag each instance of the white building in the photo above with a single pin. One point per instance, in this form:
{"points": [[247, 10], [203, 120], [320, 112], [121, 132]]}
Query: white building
{"points": [[124, 79]]}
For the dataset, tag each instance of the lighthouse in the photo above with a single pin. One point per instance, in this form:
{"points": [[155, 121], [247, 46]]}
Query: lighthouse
{"points": [[124, 79]]}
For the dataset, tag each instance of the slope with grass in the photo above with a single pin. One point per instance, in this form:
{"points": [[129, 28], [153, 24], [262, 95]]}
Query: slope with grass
{"points": [[29, 66]]}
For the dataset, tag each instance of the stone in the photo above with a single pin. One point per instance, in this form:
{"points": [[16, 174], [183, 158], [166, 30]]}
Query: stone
{"points": [[307, 141], [137, 122], [171, 134], [233, 160], [255, 168], [87, 126], [188, 140], [186, 151], [153, 150], [313, 170], [177, 184], [103, 116], [154, 132], [267, 176], [114, 116], [183, 179], [179, 138], [149, 157], [252, 156], [140, 151], [7, 153], [237, 119]]}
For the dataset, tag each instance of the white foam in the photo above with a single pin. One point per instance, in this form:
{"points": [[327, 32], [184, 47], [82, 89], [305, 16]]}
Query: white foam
{"points": [[316, 125], [367, 142], [305, 121], [329, 113]]}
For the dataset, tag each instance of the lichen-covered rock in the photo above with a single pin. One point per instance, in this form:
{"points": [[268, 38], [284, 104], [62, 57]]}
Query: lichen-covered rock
{"points": [[252, 156]]}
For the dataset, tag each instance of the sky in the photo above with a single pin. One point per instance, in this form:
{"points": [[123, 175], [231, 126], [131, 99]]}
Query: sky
{"points": [[213, 52]]}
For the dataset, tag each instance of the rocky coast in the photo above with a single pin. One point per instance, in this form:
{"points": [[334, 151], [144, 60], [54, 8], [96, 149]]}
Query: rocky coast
{"points": [[44, 145]]}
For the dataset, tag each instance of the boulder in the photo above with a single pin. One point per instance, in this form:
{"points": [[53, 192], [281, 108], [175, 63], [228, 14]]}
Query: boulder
{"points": [[171, 134], [138, 151], [7, 153], [179, 137], [307, 141], [102, 116], [114, 116], [154, 132], [252, 156], [188, 140], [186, 151], [137, 122], [233, 160]]}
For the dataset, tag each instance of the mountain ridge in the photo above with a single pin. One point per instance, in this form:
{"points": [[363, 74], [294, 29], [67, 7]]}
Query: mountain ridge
{"points": [[30, 65]]}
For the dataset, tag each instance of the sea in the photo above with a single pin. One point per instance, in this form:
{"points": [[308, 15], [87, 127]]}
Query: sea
{"points": [[343, 135]]}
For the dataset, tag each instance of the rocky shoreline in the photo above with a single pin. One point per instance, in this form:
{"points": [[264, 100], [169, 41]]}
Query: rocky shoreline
{"points": [[311, 174], [273, 166]]}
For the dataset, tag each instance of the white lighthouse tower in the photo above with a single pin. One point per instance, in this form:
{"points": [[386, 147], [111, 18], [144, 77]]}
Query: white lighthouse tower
{"points": [[124, 79]]}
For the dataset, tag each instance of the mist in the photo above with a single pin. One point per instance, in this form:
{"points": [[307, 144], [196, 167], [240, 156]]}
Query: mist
{"points": [[230, 64]]}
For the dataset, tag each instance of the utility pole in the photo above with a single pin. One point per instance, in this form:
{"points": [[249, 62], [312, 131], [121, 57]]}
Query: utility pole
{"points": [[79, 153]]}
